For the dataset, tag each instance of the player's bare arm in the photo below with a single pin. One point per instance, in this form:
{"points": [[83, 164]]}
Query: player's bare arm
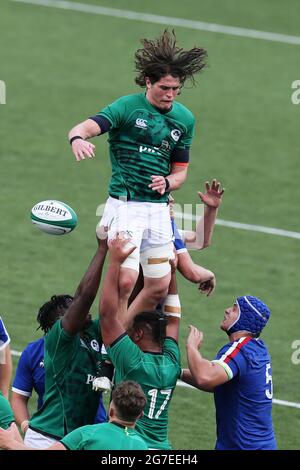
{"points": [[111, 328], [173, 311], [5, 371], [74, 319], [171, 182], [206, 374], [212, 199], [19, 404], [186, 377], [78, 137], [10, 439], [197, 274]]}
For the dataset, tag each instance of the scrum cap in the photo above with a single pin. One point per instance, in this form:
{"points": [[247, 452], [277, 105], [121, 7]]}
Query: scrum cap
{"points": [[253, 315]]}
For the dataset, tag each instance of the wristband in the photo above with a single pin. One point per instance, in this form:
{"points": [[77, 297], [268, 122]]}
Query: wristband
{"points": [[167, 188], [74, 138]]}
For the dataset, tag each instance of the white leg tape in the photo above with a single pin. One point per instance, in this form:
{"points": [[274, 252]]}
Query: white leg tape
{"points": [[133, 260], [171, 306], [155, 260]]}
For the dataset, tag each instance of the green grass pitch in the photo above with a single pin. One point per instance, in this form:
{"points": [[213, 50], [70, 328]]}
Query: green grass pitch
{"points": [[60, 67]]}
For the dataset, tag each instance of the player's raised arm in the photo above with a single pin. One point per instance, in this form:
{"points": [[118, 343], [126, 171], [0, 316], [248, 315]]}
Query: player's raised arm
{"points": [[206, 374], [111, 328], [78, 137], [76, 315], [171, 305]]}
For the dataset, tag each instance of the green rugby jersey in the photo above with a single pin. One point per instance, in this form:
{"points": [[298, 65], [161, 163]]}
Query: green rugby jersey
{"points": [[141, 141], [157, 374], [105, 436], [6, 413], [71, 364]]}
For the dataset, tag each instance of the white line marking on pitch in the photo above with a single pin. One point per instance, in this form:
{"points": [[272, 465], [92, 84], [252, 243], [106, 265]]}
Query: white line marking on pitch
{"points": [[252, 228], [275, 400], [166, 20]]}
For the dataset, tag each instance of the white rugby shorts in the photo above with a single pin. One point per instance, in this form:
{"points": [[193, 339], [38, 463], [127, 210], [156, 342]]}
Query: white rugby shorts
{"points": [[146, 224]]}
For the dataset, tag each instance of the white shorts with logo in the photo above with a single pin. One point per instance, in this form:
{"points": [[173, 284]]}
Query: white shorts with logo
{"points": [[148, 226]]}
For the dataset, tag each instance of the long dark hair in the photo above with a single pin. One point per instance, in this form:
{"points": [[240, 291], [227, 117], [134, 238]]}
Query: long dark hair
{"points": [[161, 57]]}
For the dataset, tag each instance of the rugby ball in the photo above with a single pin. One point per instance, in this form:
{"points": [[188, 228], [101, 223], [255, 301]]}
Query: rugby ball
{"points": [[53, 217]]}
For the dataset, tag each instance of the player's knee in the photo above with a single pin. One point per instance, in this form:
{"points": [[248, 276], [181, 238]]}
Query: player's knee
{"points": [[157, 289], [126, 285], [159, 293]]}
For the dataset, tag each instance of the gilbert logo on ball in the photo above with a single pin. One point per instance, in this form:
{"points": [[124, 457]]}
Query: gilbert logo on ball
{"points": [[54, 217]]}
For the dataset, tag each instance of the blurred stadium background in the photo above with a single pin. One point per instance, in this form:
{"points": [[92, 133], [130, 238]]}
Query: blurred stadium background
{"points": [[59, 67]]}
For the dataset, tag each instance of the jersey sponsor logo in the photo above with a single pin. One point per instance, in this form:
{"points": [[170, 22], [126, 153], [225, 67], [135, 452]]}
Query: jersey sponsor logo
{"points": [[154, 150], [95, 345], [41, 364], [89, 379], [175, 134], [141, 123]]}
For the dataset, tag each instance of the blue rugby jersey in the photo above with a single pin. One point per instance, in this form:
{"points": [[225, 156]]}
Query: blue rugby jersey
{"points": [[244, 403], [4, 336], [30, 375]]}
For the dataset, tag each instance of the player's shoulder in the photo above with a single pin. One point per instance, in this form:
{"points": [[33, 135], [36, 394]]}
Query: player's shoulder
{"points": [[243, 347], [185, 113], [54, 330], [34, 346], [258, 349], [140, 444], [171, 350], [56, 334], [170, 342], [123, 341], [132, 99]]}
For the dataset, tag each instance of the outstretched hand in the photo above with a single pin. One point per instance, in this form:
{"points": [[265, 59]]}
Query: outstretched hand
{"points": [[213, 195], [120, 248], [195, 338], [81, 149]]}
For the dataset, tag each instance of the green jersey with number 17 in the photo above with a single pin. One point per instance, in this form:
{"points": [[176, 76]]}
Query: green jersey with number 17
{"points": [[142, 139], [157, 374]]}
